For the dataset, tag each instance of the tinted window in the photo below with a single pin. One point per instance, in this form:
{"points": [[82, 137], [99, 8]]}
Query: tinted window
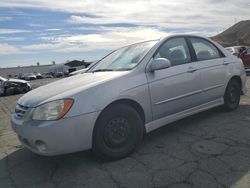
{"points": [[175, 50], [248, 51], [204, 49]]}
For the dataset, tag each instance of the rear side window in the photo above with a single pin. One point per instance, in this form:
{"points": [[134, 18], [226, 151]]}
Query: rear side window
{"points": [[248, 51], [204, 49], [175, 50]]}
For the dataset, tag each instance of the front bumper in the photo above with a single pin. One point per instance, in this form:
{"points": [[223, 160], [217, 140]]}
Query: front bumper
{"points": [[56, 137]]}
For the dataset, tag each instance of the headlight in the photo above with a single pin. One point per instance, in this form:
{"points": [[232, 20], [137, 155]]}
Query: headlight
{"points": [[52, 110]]}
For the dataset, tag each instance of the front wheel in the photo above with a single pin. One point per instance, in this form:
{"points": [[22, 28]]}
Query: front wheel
{"points": [[232, 96], [118, 132]]}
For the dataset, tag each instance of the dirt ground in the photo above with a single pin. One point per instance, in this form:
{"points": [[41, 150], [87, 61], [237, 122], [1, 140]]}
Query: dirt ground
{"points": [[210, 149]]}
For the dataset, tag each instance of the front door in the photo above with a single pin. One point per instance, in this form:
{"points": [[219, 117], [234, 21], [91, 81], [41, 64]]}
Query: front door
{"points": [[178, 87]]}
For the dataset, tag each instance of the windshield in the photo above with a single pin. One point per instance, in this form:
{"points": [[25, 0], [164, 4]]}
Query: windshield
{"points": [[125, 58]]}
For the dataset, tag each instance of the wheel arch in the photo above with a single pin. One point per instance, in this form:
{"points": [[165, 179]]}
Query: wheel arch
{"points": [[129, 102], [238, 79]]}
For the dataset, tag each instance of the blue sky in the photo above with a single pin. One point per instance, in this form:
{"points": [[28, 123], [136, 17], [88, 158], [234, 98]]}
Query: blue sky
{"points": [[44, 31]]}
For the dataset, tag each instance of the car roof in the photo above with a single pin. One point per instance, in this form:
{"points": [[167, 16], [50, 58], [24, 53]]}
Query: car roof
{"points": [[182, 35], [166, 37]]}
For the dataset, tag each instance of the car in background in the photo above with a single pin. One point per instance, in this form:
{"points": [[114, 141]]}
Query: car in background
{"points": [[81, 71], [21, 76], [30, 76], [47, 75], [38, 75], [242, 52], [16, 76], [131, 91], [236, 50], [58, 74], [13, 86], [78, 72], [245, 57]]}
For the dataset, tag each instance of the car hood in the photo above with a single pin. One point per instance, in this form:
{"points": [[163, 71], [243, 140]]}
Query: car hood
{"points": [[67, 87], [16, 80]]}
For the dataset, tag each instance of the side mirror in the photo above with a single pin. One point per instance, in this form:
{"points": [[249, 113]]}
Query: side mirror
{"points": [[159, 63]]}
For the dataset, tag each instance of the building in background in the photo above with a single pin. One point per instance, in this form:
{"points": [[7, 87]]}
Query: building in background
{"points": [[53, 68], [76, 65], [12, 71]]}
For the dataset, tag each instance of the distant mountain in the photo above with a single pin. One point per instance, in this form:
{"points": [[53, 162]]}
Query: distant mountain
{"points": [[238, 34]]}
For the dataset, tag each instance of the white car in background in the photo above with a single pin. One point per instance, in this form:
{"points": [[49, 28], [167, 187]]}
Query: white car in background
{"points": [[236, 50], [30, 76], [13, 86], [38, 75]]}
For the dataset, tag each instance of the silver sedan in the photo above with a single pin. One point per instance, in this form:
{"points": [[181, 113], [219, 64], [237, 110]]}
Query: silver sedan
{"points": [[128, 93]]}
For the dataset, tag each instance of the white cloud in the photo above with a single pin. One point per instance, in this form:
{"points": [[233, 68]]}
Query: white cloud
{"points": [[108, 39], [53, 29], [5, 18], [11, 31], [169, 14], [105, 38], [8, 49], [42, 46], [35, 25], [11, 38], [150, 18]]}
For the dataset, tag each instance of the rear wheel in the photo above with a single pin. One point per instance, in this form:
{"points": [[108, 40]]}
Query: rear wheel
{"points": [[232, 96], [118, 132]]}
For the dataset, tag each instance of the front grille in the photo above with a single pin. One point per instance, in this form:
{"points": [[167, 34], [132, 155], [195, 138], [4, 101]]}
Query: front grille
{"points": [[21, 110]]}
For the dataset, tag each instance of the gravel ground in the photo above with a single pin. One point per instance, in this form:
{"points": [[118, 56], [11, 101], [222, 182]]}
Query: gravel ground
{"points": [[210, 149]]}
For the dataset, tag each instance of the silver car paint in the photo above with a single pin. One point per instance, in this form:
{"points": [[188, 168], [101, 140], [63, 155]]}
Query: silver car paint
{"points": [[63, 136], [162, 100], [173, 90]]}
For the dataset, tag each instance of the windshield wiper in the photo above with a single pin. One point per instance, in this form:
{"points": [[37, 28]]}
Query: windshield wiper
{"points": [[103, 70]]}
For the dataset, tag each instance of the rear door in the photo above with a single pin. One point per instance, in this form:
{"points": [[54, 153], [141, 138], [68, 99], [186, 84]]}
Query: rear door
{"points": [[212, 64]]}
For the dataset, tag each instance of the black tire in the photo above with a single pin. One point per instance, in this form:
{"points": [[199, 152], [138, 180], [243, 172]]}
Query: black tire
{"points": [[232, 96], [10, 91], [118, 132]]}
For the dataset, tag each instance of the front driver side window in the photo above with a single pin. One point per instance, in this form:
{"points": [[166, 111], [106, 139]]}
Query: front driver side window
{"points": [[175, 50]]}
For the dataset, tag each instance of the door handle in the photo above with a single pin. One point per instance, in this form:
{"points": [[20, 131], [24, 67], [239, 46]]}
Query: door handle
{"points": [[191, 69]]}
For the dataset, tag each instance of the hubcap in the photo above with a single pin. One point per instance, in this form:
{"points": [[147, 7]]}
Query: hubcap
{"points": [[116, 132]]}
